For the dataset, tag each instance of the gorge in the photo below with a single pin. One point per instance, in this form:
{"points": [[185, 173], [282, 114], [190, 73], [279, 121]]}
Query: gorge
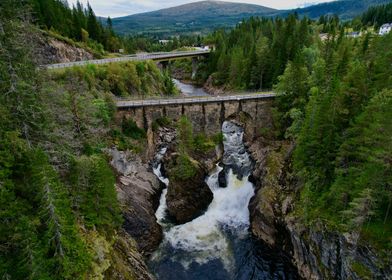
{"points": [[217, 244], [107, 172], [248, 230]]}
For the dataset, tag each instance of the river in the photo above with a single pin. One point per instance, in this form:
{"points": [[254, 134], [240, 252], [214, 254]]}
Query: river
{"points": [[218, 245], [189, 90]]}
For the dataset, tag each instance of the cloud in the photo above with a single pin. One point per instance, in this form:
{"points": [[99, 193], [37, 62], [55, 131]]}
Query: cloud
{"points": [[116, 8]]}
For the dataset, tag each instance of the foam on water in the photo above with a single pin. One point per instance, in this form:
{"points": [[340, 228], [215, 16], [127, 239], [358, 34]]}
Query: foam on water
{"points": [[204, 238]]}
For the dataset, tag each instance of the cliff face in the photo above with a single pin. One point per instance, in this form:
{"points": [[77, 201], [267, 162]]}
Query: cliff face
{"points": [[138, 191], [50, 50], [317, 252]]}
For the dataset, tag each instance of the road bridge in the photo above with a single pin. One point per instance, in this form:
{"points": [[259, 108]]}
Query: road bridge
{"points": [[162, 56], [192, 100], [206, 114]]}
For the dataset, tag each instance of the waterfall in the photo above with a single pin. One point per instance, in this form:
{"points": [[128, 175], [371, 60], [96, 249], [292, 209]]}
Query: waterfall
{"points": [[157, 169], [206, 238]]}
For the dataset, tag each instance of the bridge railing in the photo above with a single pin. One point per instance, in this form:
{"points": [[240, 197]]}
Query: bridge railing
{"points": [[122, 103], [137, 57], [182, 96]]}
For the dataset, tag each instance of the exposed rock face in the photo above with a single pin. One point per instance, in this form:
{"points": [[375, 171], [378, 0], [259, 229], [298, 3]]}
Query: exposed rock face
{"points": [[138, 192], [127, 262], [212, 89], [50, 50], [326, 255], [189, 198], [317, 252], [264, 207]]}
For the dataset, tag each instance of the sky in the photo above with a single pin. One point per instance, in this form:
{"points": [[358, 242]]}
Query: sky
{"points": [[116, 8]]}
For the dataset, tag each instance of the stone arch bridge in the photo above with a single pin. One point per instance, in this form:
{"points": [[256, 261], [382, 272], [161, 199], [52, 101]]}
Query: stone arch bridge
{"points": [[206, 114]]}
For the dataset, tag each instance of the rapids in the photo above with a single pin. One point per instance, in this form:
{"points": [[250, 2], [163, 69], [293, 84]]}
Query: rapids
{"points": [[217, 244]]}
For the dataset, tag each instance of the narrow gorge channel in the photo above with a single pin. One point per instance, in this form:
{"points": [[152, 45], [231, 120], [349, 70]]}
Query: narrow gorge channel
{"points": [[218, 244]]}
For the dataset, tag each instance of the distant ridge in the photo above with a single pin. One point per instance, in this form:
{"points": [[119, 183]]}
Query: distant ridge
{"points": [[204, 16], [345, 9], [198, 16]]}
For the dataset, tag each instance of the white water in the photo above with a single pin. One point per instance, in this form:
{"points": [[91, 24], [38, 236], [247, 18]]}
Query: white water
{"points": [[205, 239], [161, 211]]}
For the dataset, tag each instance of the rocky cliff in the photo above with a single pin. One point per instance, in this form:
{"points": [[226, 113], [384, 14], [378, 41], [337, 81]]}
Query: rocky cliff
{"points": [[318, 252], [138, 191], [50, 50]]}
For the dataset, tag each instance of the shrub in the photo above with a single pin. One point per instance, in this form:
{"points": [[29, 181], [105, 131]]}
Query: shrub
{"points": [[184, 168], [130, 129]]}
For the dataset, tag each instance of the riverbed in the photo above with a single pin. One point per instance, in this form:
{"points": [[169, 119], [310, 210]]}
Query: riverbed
{"points": [[218, 245]]}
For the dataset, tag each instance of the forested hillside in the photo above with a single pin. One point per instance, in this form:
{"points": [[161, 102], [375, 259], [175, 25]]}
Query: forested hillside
{"points": [[334, 102], [77, 22], [377, 16], [59, 214]]}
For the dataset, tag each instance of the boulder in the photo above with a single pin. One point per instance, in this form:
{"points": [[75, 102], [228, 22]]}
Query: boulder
{"points": [[187, 198]]}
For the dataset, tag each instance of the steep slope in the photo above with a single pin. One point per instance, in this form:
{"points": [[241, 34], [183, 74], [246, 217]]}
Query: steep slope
{"points": [[198, 16], [345, 9]]}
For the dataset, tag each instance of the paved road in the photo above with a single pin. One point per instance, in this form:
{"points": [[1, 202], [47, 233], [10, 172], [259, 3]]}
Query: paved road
{"points": [[139, 57], [193, 100]]}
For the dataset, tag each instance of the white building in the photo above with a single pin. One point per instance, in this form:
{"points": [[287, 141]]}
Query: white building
{"points": [[354, 34], [385, 29]]}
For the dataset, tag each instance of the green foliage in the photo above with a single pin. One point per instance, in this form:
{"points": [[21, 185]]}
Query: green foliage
{"points": [[362, 271], [201, 143], [161, 122], [121, 79], [94, 197], [255, 54], [377, 15], [344, 141], [42, 126], [60, 242], [130, 129], [78, 23], [218, 138], [185, 135], [184, 168]]}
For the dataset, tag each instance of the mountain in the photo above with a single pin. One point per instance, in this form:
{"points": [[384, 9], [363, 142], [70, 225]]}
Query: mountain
{"points": [[204, 16], [199, 16], [345, 9]]}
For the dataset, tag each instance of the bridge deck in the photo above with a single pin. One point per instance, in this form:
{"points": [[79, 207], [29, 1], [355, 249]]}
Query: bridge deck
{"points": [[192, 100], [139, 57]]}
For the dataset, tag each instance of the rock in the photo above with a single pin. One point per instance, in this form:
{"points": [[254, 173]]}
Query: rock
{"points": [[187, 199], [318, 253], [321, 254], [138, 191], [50, 50], [287, 205], [222, 179], [126, 261]]}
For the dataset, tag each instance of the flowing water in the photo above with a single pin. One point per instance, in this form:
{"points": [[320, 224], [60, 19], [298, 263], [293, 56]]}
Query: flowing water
{"points": [[189, 90], [217, 245]]}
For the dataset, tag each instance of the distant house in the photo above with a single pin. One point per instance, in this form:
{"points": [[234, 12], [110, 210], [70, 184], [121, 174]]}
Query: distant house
{"points": [[355, 34], [165, 42], [385, 29]]}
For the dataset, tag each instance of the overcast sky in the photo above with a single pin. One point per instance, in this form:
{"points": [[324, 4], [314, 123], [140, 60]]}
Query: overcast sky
{"points": [[116, 8]]}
